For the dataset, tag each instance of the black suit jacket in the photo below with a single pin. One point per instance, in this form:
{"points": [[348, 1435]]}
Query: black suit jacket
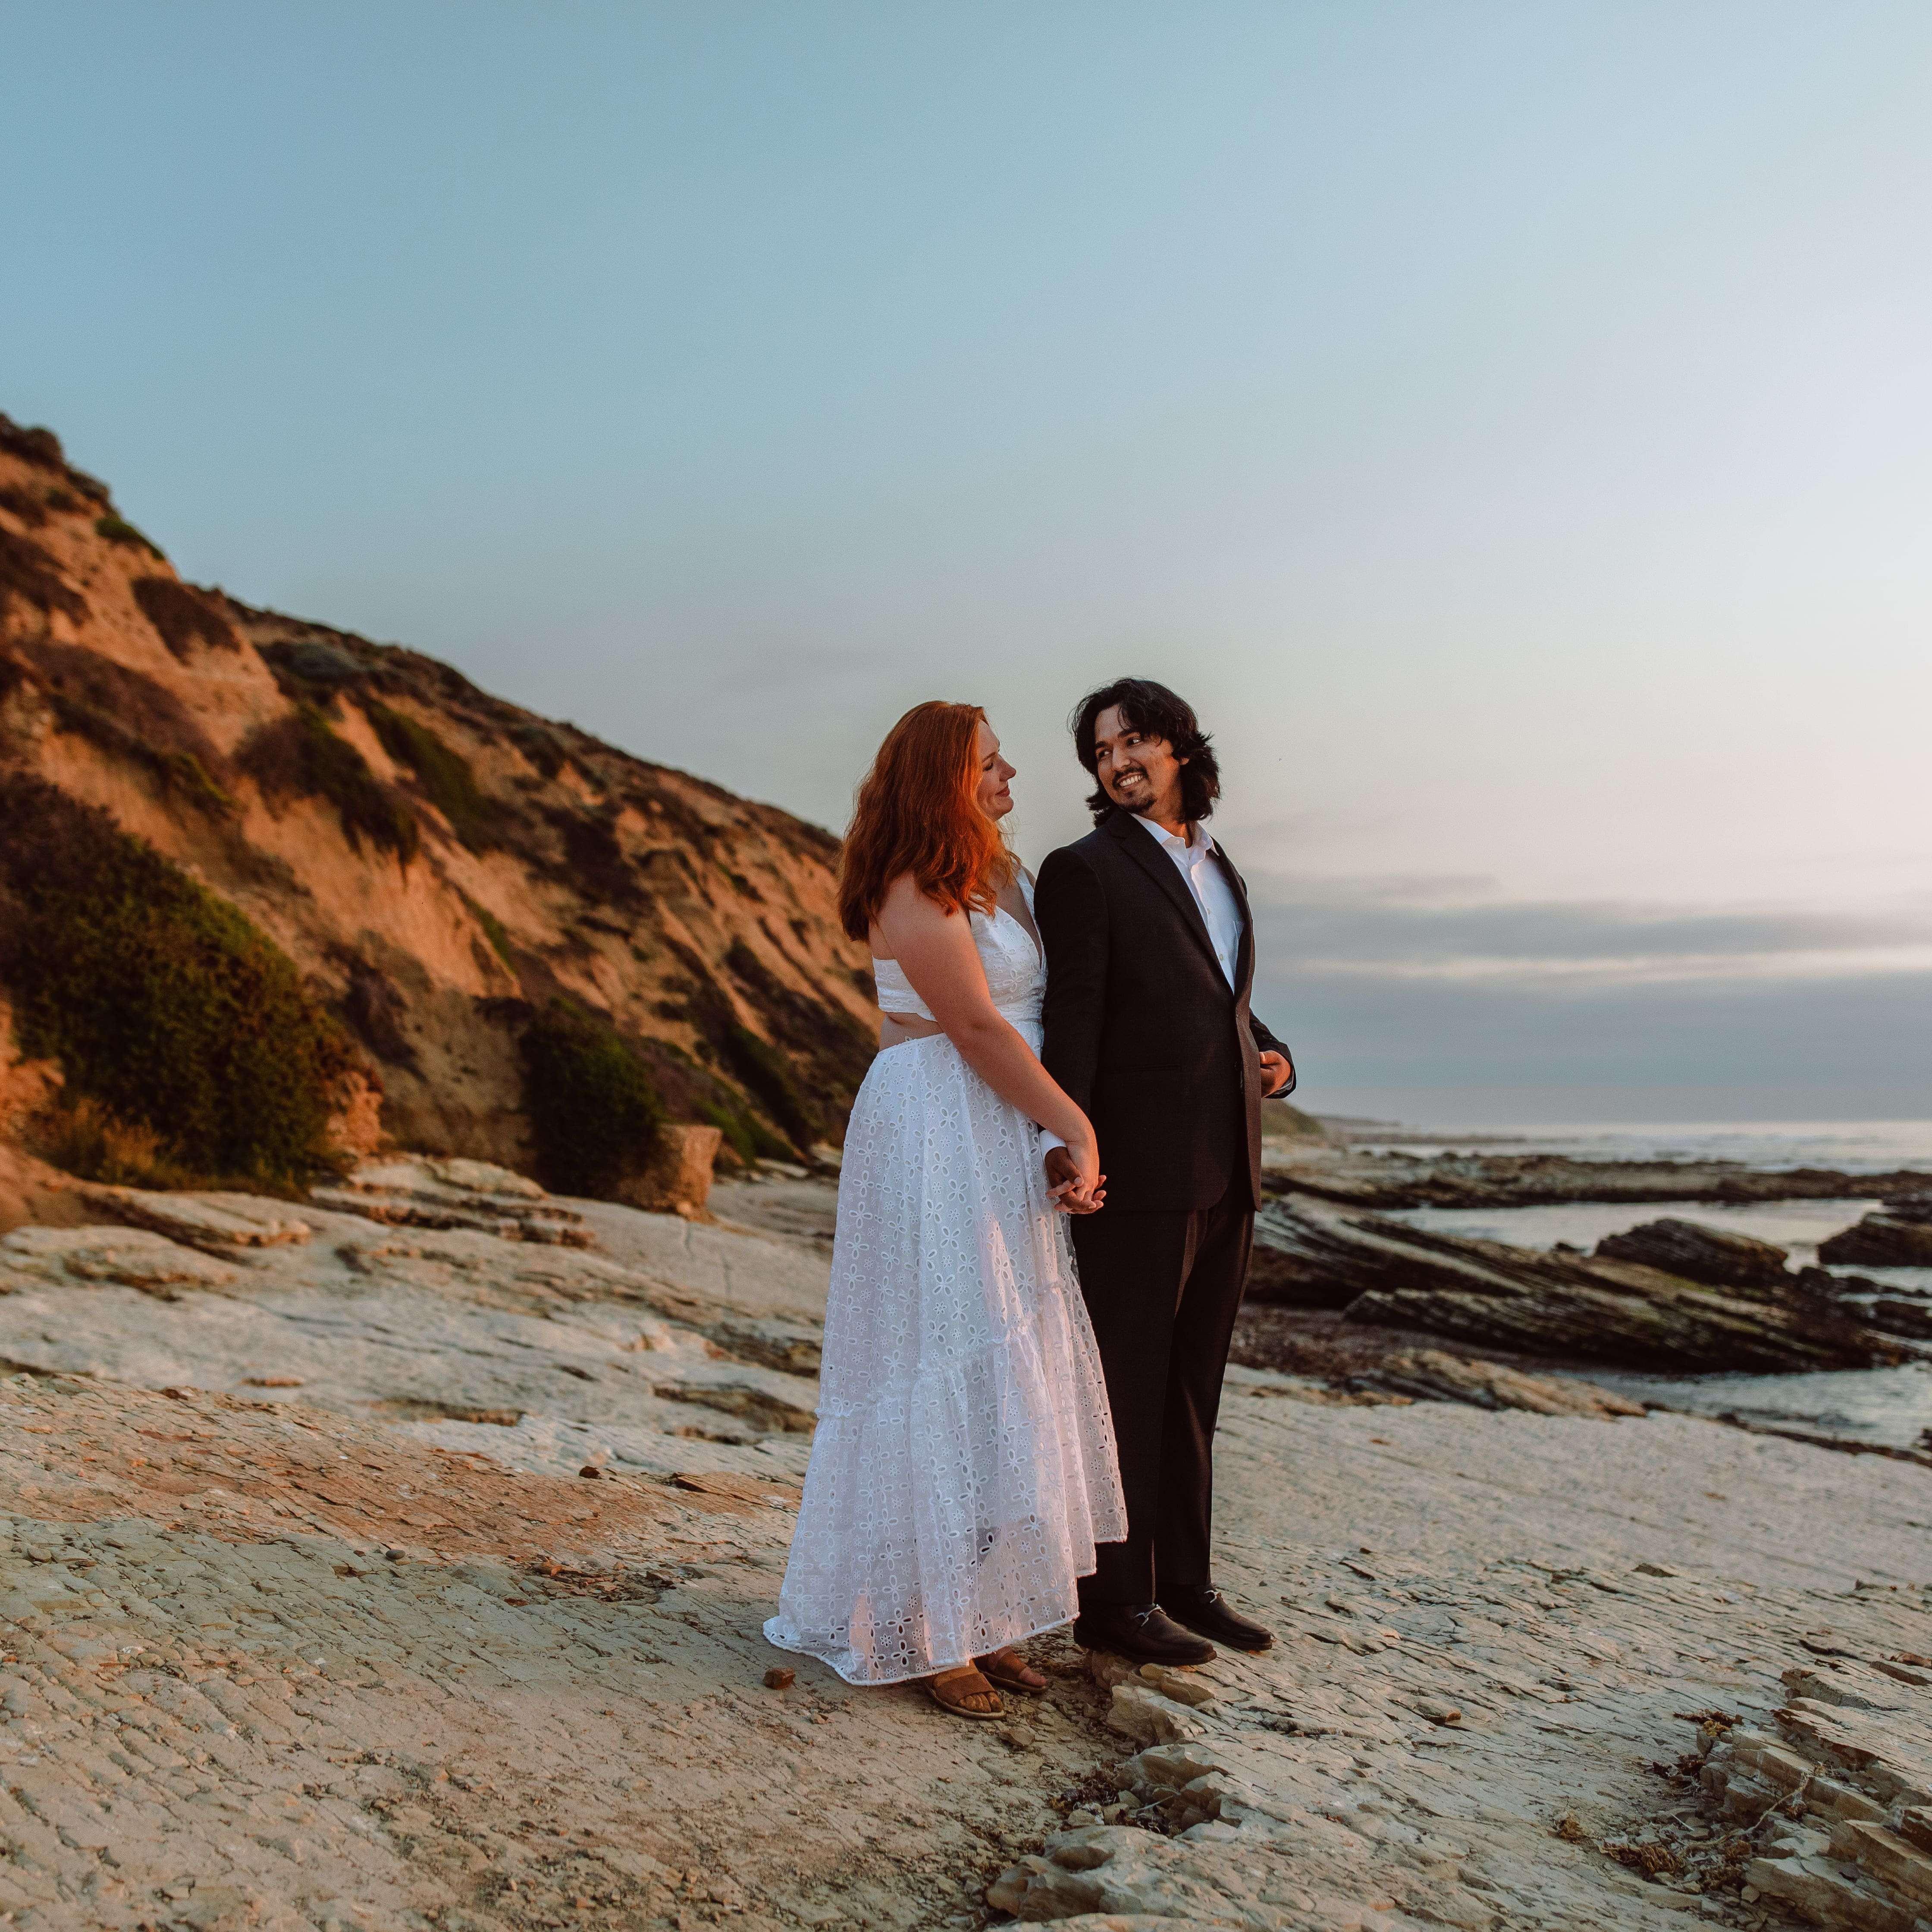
{"points": [[1141, 1028]]}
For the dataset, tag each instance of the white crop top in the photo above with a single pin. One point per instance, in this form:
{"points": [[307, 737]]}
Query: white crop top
{"points": [[1016, 975]]}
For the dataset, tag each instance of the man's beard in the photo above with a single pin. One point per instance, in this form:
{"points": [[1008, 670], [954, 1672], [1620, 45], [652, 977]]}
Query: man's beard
{"points": [[1141, 805]]}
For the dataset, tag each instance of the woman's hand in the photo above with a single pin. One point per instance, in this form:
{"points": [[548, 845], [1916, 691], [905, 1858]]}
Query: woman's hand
{"points": [[1073, 1185]]}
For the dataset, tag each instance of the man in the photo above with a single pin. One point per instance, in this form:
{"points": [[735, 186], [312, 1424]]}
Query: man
{"points": [[1150, 953]]}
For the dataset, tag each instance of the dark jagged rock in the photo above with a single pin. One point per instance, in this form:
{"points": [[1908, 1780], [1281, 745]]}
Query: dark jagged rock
{"points": [[1822, 1281], [1587, 1308], [1899, 1234], [1717, 1258], [1297, 1263], [1355, 1179], [1903, 1318]]}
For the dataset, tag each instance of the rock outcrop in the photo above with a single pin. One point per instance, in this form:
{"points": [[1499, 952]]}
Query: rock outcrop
{"points": [[1431, 1375], [1589, 1308], [1832, 1801], [1898, 1235], [523, 1326], [1356, 1178], [1719, 1258], [439, 864], [384, 1560]]}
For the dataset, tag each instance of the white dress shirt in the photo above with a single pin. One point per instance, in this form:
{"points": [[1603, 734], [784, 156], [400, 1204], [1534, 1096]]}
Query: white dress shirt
{"points": [[1213, 894], [1195, 856]]}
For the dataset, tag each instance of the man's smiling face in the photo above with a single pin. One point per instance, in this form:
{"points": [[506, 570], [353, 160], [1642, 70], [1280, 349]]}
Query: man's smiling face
{"points": [[1140, 774]]}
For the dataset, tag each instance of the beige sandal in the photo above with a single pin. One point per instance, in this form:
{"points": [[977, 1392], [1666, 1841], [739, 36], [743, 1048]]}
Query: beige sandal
{"points": [[949, 1691], [1011, 1672]]}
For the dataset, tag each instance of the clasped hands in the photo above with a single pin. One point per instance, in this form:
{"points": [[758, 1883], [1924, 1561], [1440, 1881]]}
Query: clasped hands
{"points": [[1067, 1189], [1070, 1193]]}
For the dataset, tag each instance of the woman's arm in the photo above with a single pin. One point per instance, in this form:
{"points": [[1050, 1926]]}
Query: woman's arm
{"points": [[935, 949]]}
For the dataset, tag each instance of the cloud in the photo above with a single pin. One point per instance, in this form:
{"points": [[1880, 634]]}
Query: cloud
{"points": [[1455, 929], [1421, 987]]}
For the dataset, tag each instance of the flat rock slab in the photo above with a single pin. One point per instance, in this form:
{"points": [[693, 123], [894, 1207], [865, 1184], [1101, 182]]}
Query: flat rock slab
{"points": [[544, 1357], [88, 1257], [221, 1221], [248, 1630], [1431, 1375]]}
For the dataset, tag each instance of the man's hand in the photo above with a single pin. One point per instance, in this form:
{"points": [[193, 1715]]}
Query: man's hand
{"points": [[1066, 1190], [1277, 1070]]}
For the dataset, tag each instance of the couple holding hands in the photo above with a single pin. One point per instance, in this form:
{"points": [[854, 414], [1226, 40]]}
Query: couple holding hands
{"points": [[1004, 1443]]}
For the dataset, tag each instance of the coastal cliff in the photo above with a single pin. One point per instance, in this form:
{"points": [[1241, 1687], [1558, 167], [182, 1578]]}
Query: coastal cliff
{"points": [[462, 895]]}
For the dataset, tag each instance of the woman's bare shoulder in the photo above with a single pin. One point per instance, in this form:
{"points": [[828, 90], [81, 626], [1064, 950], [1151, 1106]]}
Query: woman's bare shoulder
{"points": [[905, 899]]}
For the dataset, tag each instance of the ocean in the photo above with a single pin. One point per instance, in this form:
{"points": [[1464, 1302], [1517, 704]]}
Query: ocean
{"points": [[1892, 1406]]}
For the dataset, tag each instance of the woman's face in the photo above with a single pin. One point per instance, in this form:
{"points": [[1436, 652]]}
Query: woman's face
{"points": [[993, 792]]}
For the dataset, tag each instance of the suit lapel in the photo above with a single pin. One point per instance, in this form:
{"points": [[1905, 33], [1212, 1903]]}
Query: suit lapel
{"points": [[1151, 856]]}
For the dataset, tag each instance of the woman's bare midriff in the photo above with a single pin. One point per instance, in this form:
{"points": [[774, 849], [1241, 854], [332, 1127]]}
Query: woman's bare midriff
{"points": [[895, 1029]]}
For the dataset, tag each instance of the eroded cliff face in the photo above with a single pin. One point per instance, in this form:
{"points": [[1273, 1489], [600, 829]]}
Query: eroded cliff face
{"points": [[438, 862]]}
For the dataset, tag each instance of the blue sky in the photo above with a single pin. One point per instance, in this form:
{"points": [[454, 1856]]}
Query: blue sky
{"points": [[1508, 423]]}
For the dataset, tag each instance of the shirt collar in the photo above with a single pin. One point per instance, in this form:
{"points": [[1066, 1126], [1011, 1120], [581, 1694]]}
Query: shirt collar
{"points": [[1201, 843]]}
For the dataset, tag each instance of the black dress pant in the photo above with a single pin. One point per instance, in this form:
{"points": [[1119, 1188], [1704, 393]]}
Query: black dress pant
{"points": [[1162, 1290]]}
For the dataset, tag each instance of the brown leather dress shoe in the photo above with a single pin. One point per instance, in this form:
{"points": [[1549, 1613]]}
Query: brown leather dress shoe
{"points": [[1141, 1631], [1205, 1610]]}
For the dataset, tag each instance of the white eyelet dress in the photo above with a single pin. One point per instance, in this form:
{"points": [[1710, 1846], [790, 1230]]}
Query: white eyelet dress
{"points": [[963, 1465]]}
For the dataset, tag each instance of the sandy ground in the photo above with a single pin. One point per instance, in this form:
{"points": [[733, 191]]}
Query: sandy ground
{"points": [[267, 1661]]}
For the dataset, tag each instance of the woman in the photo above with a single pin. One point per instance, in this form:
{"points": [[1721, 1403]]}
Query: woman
{"points": [[963, 1468]]}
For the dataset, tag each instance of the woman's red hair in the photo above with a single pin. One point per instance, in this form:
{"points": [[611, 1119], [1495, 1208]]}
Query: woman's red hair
{"points": [[917, 812]]}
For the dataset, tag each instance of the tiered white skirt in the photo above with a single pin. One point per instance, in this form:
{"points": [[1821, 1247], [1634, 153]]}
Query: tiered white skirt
{"points": [[963, 1467]]}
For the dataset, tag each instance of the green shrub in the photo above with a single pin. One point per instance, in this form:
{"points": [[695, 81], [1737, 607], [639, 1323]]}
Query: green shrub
{"points": [[117, 529], [28, 575], [161, 1001], [767, 1074], [82, 1137], [746, 1134], [130, 718], [445, 775], [542, 746], [183, 614], [31, 510], [302, 756], [39, 447], [493, 930], [592, 1107]]}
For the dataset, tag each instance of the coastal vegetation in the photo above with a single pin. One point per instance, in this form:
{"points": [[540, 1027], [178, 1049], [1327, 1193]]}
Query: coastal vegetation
{"points": [[447, 780], [164, 1007], [593, 1109], [29, 576], [183, 616], [118, 530], [131, 719], [304, 756], [492, 863]]}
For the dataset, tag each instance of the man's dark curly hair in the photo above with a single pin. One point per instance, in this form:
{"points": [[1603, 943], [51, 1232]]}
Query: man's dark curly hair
{"points": [[1153, 710]]}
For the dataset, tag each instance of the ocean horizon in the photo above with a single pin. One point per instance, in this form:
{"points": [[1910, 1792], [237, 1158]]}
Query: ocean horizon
{"points": [[1851, 1147]]}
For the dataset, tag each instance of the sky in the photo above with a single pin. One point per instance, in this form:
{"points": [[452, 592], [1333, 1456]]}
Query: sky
{"points": [[1509, 424]]}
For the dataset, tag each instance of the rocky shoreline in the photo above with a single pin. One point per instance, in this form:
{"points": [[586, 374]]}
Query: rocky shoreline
{"points": [[399, 1560], [1354, 1178]]}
